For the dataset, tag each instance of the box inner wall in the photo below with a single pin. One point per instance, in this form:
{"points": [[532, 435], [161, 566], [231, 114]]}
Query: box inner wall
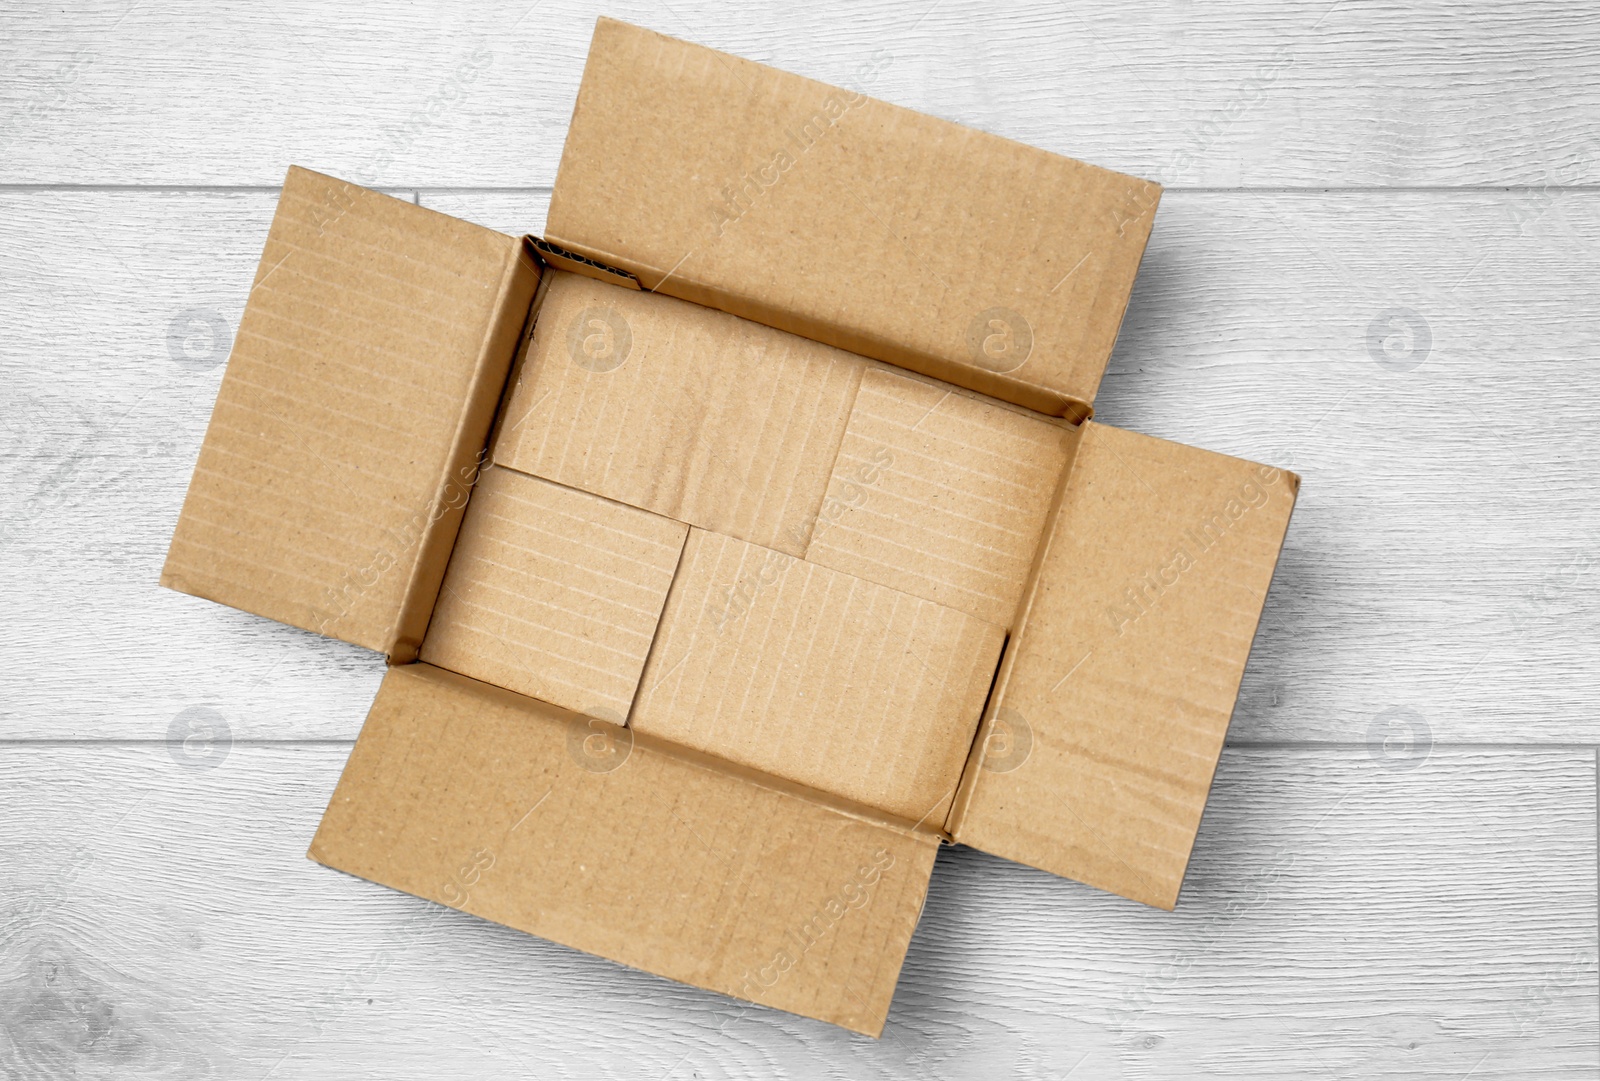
{"points": [[747, 542]]}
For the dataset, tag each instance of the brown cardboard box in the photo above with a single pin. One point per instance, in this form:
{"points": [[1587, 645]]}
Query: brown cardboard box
{"points": [[775, 574]]}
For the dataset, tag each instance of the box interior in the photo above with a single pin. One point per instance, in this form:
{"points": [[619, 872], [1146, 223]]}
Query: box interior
{"points": [[748, 543], [775, 578]]}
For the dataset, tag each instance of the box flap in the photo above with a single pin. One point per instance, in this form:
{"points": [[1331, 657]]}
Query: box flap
{"points": [[357, 399], [586, 834], [1100, 740], [986, 263]]}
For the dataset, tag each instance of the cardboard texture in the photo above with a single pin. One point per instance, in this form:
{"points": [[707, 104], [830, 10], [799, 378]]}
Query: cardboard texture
{"points": [[1115, 696], [941, 249], [554, 593], [817, 676], [853, 592], [352, 415], [546, 821], [687, 412], [939, 493]]}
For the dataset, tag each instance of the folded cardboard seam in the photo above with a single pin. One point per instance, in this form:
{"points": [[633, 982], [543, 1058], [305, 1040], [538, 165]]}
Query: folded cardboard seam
{"points": [[554, 593], [1157, 551], [466, 451], [406, 321], [688, 413], [816, 676], [944, 250], [626, 847]]}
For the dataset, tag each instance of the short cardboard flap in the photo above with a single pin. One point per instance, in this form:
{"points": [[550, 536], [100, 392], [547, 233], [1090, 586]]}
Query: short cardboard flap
{"points": [[1103, 732], [358, 396], [586, 834], [968, 257]]}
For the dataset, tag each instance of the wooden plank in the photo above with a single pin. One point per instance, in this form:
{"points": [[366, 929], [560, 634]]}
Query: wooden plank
{"points": [[1337, 92], [121, 310], [1443, 558], [1341, 919]]}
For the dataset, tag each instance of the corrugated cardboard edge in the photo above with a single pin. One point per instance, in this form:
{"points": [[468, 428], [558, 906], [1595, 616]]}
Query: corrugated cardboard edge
{"points": [[469, 449], [565, 259]]}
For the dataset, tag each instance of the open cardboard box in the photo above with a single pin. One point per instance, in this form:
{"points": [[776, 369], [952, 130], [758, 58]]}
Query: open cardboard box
{"points": [[742, 541]]}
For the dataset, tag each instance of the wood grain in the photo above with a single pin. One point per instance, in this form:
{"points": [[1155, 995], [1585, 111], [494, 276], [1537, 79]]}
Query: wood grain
{"points": [[1342, 919], [1333, 92], [1387, 904], [1443, 558]]}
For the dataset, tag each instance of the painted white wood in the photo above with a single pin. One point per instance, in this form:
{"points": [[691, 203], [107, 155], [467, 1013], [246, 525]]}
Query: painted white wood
{"points": [[119, 312], [1445, 557], [1341, 919], [1329, 92], [1386, 905]]}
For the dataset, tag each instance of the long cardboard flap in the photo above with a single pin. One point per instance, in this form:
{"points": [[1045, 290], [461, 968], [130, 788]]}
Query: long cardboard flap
{"points": [[1101, 738], [359, 393], [589, 835], [968, 257]]}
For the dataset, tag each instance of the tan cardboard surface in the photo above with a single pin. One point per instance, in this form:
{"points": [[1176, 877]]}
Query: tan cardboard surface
{"points": [[817, 676], [345, 436], [679, 409], [893, 234], [1110, 711], [940, 493], [554, 593], [563, 827]]}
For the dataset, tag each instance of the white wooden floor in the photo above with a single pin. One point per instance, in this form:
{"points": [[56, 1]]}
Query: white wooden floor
{"points": [[1377, 263]]}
